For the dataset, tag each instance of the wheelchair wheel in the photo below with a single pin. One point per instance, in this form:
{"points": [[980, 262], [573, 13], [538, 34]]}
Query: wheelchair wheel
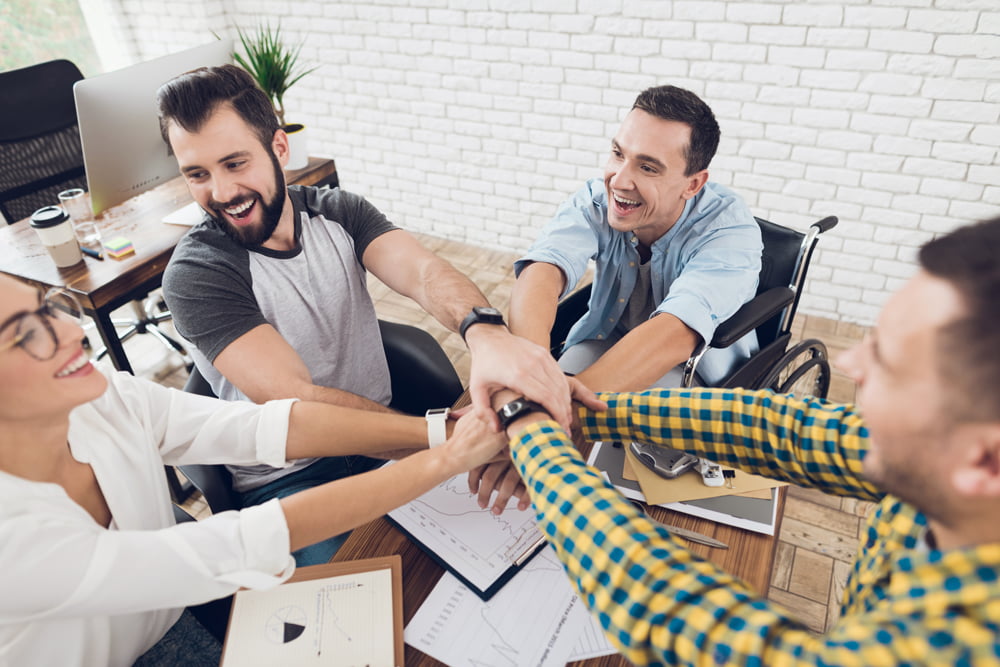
{"points": [[803, 370]]}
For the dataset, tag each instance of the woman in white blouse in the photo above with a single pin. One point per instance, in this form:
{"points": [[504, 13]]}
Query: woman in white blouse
{"points": [[93, 570]]}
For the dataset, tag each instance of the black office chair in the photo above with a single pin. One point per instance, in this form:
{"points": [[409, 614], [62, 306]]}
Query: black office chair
{"points": [[40, 152], [803, 369], [41, 155], [422, 378]]}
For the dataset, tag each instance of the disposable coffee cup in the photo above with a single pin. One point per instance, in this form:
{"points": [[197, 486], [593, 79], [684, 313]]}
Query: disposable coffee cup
{"points": [[53, 227]]}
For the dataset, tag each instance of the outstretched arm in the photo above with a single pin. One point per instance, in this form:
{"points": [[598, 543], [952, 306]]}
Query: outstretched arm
{"points": [[658, 602], [534, 300], [361, 498], [499, 358], [262, 365], [642, 356]]}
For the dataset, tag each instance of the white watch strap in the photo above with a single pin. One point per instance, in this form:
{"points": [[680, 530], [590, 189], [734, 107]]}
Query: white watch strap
{"points": [[437, 433]]}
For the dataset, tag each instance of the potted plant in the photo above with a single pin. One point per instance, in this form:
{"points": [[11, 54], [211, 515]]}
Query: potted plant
{"points": [[276, 68]]}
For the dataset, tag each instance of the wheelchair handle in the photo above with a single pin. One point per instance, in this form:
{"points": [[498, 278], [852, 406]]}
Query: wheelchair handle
{"points": [[826, 224]]}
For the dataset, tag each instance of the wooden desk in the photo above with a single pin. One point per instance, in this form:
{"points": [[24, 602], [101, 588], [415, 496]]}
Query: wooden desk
{"points": [[103, 286], [750, 556]]}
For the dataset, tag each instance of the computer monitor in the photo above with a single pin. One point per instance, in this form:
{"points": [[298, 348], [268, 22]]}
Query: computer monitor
{"points": [[123, 152]]}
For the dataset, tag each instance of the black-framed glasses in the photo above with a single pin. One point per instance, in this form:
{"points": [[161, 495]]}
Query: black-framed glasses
{"points": [[33, 330]]}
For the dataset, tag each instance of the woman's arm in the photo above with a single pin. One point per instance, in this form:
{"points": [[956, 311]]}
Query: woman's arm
{"points": [[318, 513]]}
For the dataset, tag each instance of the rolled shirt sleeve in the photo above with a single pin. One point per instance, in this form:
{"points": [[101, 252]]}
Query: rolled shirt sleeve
{"points": [[60, 563], [571, 238]]}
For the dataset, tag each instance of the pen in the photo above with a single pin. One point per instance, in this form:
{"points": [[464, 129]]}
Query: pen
{"points": [[93, 253], [531, 550]]}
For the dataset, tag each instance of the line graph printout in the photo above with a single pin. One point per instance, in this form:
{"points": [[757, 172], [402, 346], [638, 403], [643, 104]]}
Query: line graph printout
{"points": [[478, 545], [342, 620], [536, 619]]}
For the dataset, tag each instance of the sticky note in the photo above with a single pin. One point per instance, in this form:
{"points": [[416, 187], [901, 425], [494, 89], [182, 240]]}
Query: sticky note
{"points": [[119, 247]]}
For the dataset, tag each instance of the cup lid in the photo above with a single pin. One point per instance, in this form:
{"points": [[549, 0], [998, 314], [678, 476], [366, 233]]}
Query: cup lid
{"points": [[49, 216]]}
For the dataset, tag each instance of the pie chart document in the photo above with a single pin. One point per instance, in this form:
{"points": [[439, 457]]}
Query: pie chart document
{"points": [[341, 620]]}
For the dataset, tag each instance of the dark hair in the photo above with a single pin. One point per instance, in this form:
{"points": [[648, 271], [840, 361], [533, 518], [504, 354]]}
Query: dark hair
{"points": [[191, 98], [673, 103], [969, 259]]}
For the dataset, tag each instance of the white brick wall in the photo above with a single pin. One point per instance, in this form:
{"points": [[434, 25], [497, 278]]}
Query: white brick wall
{"points": [[473, 119]]}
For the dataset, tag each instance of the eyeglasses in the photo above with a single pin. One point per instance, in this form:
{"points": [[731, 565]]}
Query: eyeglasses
{"points": [[33, 330]]}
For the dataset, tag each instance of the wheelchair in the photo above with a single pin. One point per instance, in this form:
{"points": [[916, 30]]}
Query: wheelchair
{"points": [[803, 369]]}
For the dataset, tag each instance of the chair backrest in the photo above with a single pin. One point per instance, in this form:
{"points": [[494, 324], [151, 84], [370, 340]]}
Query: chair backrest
{"points": [[422, 376], [40, 150], [778, 265]]}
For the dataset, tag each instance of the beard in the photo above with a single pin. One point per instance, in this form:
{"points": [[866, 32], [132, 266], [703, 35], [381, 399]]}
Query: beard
{"points": [[914, 480], [271, 210]]}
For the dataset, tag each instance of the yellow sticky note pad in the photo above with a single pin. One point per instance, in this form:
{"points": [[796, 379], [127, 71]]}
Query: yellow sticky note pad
{"points": [[119, 247]]}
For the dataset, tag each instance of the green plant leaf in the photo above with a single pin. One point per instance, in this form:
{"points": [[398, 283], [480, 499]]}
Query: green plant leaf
{"points": [[272, 64]]}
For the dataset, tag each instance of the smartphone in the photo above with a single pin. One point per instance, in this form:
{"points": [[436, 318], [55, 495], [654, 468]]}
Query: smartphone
{"points": [[665, 462]]}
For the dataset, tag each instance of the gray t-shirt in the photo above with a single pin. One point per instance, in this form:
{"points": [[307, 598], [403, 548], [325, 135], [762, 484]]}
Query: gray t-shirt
{"points": [[315, 296], [641, 303]]}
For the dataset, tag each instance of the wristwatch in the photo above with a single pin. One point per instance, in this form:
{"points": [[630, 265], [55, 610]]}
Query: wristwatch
{"points": [[516, 409], [481, 315], [437, 433]]}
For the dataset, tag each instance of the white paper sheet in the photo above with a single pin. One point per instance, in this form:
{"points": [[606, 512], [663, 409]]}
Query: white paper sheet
{"points": [[475, 542], [593, 643], [189, 215], [536, 619], [343, 620]]}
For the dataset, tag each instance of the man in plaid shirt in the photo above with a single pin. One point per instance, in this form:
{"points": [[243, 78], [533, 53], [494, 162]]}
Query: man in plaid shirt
{"points": [[923, 442]]}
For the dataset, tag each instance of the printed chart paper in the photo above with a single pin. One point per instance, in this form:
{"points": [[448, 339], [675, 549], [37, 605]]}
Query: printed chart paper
{"points": [[536, 619], [342, 620], [473, 542]]}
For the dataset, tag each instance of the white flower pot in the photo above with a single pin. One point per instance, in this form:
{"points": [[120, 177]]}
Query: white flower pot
{"points": [[298, 153]]}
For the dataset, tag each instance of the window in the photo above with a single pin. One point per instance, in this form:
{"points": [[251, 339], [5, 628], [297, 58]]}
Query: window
{"points": [[39, 30]]}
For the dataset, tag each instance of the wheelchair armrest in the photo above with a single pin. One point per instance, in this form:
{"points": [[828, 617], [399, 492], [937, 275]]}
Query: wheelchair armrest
{"points": [[422, 376], [751, 315]]}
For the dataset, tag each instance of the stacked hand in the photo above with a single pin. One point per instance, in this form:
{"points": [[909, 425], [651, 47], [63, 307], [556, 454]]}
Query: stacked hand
{"points": [[501, 360], [502, 478], [474, 443]]}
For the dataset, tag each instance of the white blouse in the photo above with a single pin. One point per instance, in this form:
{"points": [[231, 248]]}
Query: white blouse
{"points": [[75, 593]]}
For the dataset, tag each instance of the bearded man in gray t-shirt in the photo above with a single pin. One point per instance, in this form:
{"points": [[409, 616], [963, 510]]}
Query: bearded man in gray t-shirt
{"points": [[270, 288]]}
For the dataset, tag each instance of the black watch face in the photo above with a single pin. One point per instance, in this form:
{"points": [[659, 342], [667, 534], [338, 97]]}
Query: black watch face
{"points": [[513, 408]]}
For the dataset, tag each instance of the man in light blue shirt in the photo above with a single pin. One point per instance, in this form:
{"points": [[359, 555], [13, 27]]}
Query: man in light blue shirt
{"points": [[675, 255]]}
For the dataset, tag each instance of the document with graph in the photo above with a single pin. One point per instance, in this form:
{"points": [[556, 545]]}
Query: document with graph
{"points": [[481, 549], [340, 613], [537, 619]]}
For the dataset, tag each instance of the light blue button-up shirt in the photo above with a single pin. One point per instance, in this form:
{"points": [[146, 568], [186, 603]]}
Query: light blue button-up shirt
{"points": [[702, 270]]}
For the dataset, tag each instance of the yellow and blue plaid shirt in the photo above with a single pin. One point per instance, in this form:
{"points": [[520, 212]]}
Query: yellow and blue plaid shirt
{"points": [[661, 604]]}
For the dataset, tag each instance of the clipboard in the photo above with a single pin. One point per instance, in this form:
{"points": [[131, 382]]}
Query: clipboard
{"points": [[484, 593], [285, 623], [480, 549]]}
